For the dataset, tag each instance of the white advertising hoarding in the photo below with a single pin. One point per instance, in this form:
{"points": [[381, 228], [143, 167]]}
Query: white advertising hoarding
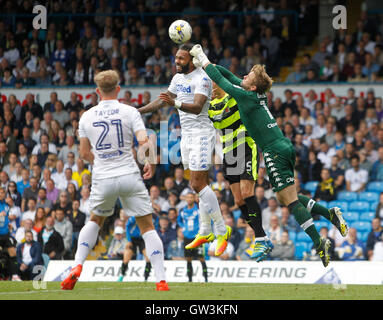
{"points": [[299, 272], [84, 93]]}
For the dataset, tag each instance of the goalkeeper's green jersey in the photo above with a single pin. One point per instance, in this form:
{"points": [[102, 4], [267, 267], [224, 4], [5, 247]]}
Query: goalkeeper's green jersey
{"points": [[224, 114], [252, 106]]}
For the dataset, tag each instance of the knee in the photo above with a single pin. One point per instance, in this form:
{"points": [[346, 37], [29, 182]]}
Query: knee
{"points": [[247, 190]]}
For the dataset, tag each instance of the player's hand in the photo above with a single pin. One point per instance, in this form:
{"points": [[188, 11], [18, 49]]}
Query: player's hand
{"points": [[198, 53], [197, 63], [167, 98], [149, 170], [196, 50]]}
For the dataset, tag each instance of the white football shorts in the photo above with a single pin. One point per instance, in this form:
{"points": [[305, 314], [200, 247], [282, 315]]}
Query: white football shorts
{"points": [[197, 151], [129, 188]]}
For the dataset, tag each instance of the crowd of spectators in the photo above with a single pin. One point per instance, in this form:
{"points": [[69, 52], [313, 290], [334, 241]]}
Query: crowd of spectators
{"points": [[346, 57], [45, 186], [73, 48]]}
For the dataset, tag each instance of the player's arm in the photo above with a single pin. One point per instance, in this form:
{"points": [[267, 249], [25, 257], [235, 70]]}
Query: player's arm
{"points": [[156, 104], [230, 88], [229, 75], [146, 154], [85, 150], [195, 107]]}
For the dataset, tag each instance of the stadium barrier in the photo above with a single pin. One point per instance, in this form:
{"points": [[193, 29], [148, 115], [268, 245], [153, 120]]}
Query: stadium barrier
{"points": [[299, 272], [84, 93]]}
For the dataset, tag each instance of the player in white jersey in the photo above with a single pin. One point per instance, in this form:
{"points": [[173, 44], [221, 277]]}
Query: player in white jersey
{"points": [[106, 135], [190, 92]]}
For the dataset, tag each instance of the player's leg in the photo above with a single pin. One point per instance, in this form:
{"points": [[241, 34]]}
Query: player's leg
{"points": [[135, 199], [86, 241], [148, 265], [334, 215], [204, 267], [103, 198], [127, 256], [154, 248], [288, 196], [280, 163]]}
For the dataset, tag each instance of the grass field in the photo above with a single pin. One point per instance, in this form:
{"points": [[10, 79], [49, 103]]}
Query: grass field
{"points": [[188, 291]]}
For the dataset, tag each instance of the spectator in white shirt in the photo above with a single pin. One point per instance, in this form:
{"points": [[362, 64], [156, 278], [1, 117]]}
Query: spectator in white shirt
{"points": [[319, 129], [27, 225], [30, 214], [70, 163], [85, 202], [273, 209], [59, 175], [106, 41], [44, 138], [356, 178], [326, 154]]}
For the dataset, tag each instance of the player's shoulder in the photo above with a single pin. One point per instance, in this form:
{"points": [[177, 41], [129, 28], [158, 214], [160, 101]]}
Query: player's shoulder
{"points": [[201, 73]]}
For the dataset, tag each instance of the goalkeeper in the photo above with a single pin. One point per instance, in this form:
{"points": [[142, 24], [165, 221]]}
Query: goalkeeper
{"points": [[278, 151], [240, 165]]}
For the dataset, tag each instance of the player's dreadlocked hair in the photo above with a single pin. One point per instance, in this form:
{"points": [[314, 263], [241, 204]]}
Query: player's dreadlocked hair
{"points": [[262, 81]]}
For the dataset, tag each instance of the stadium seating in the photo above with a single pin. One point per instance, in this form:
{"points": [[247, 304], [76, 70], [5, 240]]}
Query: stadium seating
{"points": [[359, 206], [236, 214], [368, 196], [351, 216], [300, 248], [343, 205], [311, 186], [323, 203], [320, 224], [361, 226], [362, 236], [375, 186], [347, 196], [373, 206], [367, 216], [303, 237], [292, 236]]}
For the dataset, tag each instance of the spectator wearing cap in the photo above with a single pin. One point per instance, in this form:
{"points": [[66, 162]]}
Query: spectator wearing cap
{"points": [[116, 247]]}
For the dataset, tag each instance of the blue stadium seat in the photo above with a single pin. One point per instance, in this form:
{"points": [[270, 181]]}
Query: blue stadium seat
{"points": [[302, 237], [351, 216], [373, 206], [361, 226], [347, 196], [300, 248], [369, 196], [375, 186], [323, 203], [362, 236], [311, 186], [320, 224], [343, 205], [360, 206], [236, 214], [367, 216], [292, 236]]}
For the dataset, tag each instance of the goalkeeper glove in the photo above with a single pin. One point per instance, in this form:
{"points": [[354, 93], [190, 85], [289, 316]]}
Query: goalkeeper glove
{"points": [[198, 53]]}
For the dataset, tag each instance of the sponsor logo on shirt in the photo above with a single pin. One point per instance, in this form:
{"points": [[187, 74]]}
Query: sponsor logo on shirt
{"points": [[109, 155], [181, 88]]}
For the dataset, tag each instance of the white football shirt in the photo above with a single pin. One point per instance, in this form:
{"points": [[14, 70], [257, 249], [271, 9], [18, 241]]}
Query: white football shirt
{"points": [[185, 86], [110, 128]]}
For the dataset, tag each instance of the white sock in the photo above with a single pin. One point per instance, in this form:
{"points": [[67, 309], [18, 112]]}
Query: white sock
{"points": [[205, 224], [212, 206], [86, 241], [155, 251]]}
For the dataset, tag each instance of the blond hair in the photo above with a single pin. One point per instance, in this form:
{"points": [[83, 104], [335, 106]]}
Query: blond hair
{"points": [[262, 80], [107, 81]]}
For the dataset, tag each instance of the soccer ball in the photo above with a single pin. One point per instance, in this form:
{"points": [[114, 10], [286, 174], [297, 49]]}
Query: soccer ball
{"points": [[180, 31]]}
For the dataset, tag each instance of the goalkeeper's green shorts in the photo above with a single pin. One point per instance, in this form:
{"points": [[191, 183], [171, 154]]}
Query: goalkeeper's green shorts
{"points": [[279, 159]]}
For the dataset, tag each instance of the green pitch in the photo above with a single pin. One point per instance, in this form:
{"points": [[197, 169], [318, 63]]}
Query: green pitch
{"points": [[188, 291]]}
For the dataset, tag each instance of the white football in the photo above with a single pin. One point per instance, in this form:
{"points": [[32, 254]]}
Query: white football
{"points": [[180, 31]]}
